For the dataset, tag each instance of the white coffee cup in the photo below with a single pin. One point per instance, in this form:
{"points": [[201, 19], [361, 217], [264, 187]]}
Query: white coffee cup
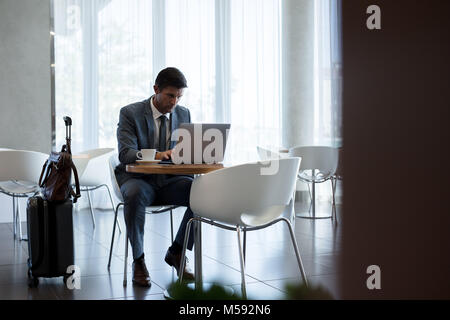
{"points": [[147, 154]]}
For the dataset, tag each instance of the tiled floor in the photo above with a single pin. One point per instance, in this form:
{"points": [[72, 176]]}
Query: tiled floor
{"points": [[271, 262]]}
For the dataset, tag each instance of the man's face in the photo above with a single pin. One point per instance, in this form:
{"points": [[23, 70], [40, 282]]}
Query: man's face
{"points": [[167, 98]]}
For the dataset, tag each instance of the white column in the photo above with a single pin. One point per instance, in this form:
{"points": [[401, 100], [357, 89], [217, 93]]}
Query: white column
{"points": [[298, 72]]}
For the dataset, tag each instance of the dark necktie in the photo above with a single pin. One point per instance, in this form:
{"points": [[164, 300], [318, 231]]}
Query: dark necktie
{"points": [[162, 134]]}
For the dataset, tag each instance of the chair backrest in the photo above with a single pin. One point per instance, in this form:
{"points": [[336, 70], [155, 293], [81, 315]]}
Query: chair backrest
{"points": [[92, 153], [92, 166], [80, 162], [113, 163], [324, 159], [21, 165], [268, 154], [242, 195]]}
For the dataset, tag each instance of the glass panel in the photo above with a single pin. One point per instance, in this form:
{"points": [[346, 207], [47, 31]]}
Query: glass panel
{"points": [[125, 61], [190, 47], [255, 77], [68, 70]]}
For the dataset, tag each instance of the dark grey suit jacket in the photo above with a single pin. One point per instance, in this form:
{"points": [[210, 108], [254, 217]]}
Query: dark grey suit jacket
{"points": [[136, 131]]}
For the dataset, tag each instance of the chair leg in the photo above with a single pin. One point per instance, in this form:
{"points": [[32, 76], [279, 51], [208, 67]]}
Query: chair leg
{"points": [[171, 226], [183, 253], [333, 189], [125, 261], [245, 242], [14, 217], [90, 207], [297, 253], [112, 204], [292, 219], [113, 234], [309, 191], [18, 220], [310, 198], [241, 259]]}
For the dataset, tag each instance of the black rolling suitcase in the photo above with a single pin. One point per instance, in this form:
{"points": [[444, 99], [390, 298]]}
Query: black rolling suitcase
{"points": [[50, 239], [49, 223]]}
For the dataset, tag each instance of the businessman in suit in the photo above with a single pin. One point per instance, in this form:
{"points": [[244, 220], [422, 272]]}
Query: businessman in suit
{"points": [[148, 125]]}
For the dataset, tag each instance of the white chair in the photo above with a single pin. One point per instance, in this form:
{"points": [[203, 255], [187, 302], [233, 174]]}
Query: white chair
{"points": [[265, 153], [318, 165], [270, 153], [92, 167], [113, 163], [19, 175], [244, 196]]}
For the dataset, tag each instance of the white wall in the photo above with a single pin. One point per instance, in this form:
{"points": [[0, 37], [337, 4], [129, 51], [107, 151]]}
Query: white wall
{"points": [[25, 88], [25, 91]]}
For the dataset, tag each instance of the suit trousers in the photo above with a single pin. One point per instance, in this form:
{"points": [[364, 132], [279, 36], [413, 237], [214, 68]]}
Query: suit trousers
{"points": [[139, 193]]}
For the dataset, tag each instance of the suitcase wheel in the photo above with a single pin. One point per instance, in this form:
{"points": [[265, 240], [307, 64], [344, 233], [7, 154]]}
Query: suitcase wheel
{"points": [[33, 282]]}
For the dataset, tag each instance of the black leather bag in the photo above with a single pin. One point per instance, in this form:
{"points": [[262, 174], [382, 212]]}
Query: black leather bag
{"points": [[56, 173]]}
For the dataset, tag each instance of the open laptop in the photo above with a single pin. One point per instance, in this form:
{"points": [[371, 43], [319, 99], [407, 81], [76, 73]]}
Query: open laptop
{"points": [[199, 143]]}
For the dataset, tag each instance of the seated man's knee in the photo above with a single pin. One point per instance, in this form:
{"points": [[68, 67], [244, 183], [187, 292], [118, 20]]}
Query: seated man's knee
{"points": [[135, 194]]}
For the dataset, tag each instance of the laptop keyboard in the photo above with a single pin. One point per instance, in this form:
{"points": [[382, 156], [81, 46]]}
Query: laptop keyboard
{"points": [[169, 161]]}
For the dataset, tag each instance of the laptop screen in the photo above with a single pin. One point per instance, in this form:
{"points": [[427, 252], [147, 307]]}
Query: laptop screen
{"points": [[200, 143]]}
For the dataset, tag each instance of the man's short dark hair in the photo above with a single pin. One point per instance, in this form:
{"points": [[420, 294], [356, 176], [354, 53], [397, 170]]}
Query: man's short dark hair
{"points": [[170, 77]]}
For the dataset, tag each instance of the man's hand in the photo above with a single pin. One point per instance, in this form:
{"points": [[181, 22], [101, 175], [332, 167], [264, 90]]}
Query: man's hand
{"points": [[163, 155]]}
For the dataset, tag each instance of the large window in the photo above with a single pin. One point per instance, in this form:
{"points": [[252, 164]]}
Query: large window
{"points": [[327, 73], [124, 62], [108, 53]]}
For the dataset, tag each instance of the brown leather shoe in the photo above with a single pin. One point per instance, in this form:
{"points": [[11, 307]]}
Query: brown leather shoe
{"points": [[140, 273], [174, 260]]}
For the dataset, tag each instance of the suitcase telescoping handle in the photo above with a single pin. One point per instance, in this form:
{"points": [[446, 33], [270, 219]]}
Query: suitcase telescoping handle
{"points": [[68, 122]]}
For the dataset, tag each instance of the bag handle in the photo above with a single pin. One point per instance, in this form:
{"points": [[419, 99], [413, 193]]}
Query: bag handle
{"points": [[77, 185], [46, 171]]}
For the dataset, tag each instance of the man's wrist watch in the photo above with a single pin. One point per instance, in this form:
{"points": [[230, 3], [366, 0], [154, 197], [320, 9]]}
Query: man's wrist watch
{"points": [[139, 155]]}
